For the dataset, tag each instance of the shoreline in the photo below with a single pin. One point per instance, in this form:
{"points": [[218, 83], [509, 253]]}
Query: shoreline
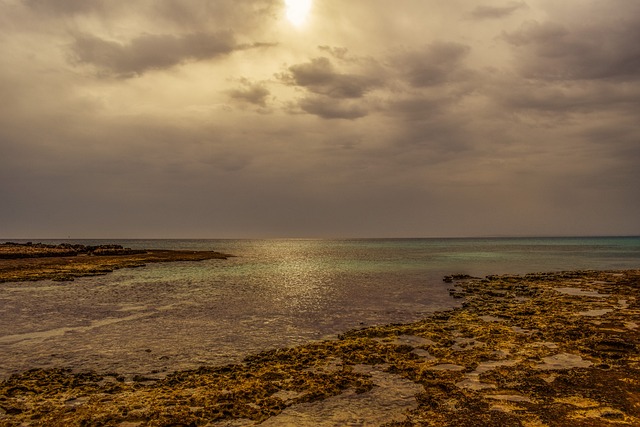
{"points": [[64, 262], [548, 349]]}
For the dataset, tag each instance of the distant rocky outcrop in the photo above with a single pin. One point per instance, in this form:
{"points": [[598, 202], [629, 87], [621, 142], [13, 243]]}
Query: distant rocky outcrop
{"points": [[12, 250]]}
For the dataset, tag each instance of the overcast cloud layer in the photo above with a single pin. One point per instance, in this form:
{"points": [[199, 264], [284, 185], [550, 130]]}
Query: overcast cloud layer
{"points": [[213, 119]]}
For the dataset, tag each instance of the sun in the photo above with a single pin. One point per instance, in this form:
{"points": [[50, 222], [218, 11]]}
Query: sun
{"points": [[297, 11]]}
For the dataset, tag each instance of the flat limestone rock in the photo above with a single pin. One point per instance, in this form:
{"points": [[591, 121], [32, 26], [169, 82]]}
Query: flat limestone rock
{"points": [[565, 371], [563, 361], [385, 402]]}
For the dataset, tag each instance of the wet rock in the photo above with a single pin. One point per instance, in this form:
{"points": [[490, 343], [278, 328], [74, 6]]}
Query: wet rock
{"points": [[456, 277], [65, 262], [516, 354]]}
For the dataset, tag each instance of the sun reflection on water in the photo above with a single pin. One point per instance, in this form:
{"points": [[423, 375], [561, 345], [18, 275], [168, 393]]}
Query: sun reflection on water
{"points": [[300, 279]]}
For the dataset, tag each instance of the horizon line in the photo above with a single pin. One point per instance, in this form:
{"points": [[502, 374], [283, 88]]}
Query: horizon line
{"points": [[497, 236]]}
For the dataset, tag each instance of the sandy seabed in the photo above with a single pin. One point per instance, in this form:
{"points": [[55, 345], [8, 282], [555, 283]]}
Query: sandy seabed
{"points": [[548, 349]]}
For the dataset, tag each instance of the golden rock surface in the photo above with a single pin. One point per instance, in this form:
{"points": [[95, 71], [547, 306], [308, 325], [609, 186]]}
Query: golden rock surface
{"points": [[556, 349]]}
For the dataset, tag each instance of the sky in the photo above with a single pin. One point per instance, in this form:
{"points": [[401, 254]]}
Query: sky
{"points": [[360, 118]]}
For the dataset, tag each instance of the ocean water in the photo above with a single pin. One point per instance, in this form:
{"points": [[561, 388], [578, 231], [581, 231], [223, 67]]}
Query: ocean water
{"points": [[165, 317]]}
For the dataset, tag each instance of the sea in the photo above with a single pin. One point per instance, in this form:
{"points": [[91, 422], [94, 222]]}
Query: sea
{"points": [[273, 293]]}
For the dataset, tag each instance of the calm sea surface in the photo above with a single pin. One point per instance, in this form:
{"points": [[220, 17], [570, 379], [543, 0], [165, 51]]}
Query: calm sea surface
{"points": [[164, 317]]}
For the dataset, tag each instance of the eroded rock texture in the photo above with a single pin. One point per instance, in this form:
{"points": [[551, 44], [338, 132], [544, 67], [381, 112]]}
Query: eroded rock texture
{"points": [[557, 349]]}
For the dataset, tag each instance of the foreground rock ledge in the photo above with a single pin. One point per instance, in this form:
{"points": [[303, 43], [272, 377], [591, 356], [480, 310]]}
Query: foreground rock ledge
{"points": [[30, 262], [557, 349]]}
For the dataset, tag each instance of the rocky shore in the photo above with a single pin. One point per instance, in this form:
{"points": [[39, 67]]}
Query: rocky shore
{"points": [[38, 261], [557, 349], [11, 250]]}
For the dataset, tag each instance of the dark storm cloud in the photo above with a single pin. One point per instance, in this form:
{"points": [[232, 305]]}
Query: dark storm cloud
{"points": [[492, 12], [151, 51], [556, 51], [437, 63], [321, 77]]}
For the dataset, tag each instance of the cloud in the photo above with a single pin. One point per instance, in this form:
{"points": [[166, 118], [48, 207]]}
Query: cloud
{"points": [[193, 15], [494, 12], [572, 51], [67, 7], [337, 52], [331, 93], [381, 121], [320, 76], [151, 51], [561, 99], [418, 107], [252, 93], [397, 79], [437, 63], [329, 108]]}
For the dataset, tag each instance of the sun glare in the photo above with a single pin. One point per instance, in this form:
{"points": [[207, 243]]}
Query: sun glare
{"points": [[297, 11]]}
